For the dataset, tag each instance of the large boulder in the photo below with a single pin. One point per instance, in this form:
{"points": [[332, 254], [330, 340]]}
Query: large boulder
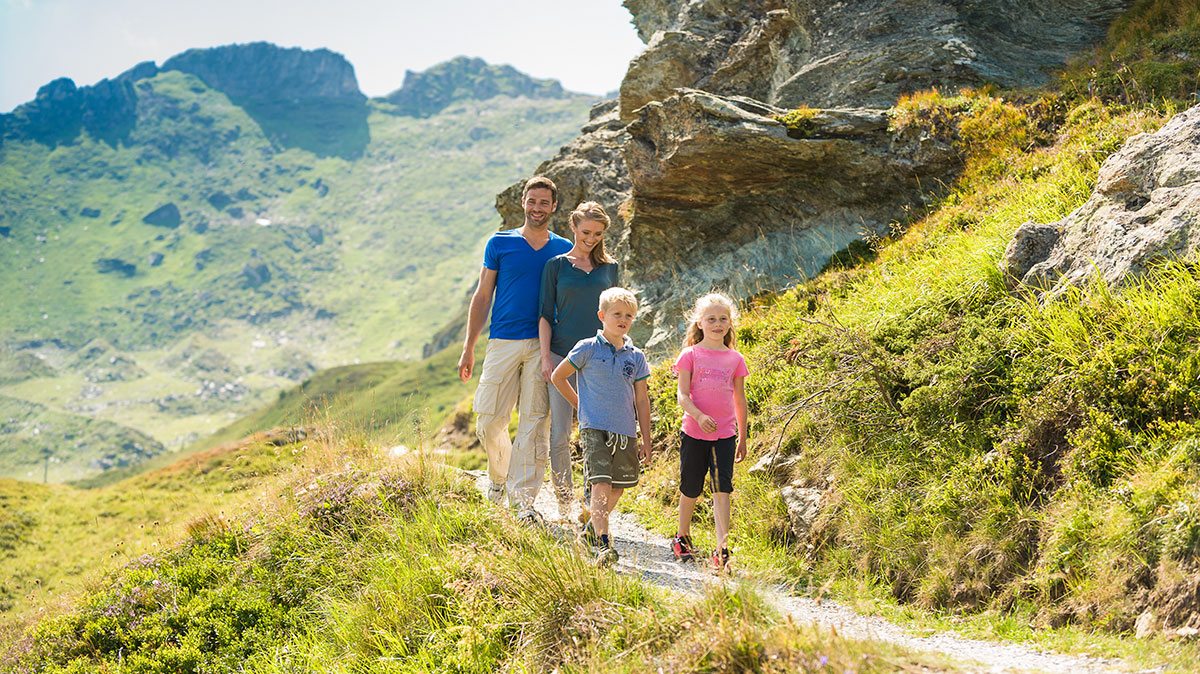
{"points": [[1145, 207]]}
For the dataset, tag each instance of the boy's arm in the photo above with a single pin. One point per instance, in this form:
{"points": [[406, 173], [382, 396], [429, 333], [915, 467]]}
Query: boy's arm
{"points": [[559, 378], [641, 401], [684, 396], [739, 411]]}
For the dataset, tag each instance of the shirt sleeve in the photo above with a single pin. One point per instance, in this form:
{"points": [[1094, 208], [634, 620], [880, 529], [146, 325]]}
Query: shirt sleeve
{"points": [[643, 368], [548, 296], [491, 256], [684, 362], [580, 354], [741, 370]]}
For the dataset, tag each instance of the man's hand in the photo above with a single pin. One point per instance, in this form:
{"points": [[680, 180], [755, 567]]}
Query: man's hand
{"points": [[741, 450], [466, 365]]}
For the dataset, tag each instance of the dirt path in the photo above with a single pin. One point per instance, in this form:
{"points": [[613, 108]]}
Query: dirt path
{"points": [[646, 554]]}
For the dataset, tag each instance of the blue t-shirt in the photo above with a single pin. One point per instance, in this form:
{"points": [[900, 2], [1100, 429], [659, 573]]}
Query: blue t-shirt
{"points": [[518, 270], [606, 378]]}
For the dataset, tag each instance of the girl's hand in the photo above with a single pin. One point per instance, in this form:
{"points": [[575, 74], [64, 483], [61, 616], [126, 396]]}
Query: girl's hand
{"points": [[707, 423], [741, 451], [547, 367]]}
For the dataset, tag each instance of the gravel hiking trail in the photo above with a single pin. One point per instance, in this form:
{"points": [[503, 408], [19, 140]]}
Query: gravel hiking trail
{"points": [[647, 555]]}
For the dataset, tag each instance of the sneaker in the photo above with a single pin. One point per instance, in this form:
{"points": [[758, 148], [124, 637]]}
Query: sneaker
{"points": [[720, 559], [589, 536], [681, 547], [606, 555]]}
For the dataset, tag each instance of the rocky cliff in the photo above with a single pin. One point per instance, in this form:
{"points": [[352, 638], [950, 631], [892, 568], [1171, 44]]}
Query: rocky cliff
{"points": [[462, 78], [261, 71], [712, 190], [1145, 208]]}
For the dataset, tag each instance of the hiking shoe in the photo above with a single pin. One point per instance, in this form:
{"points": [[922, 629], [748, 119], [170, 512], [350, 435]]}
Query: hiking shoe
{"points": [[496, 493], [681, 547], [607, 556], [720, 560], [589, 536], [530, 517]]}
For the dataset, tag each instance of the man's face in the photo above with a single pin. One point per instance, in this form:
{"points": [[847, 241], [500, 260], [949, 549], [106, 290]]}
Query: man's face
{"points": [[617, 318], [539, 204]]}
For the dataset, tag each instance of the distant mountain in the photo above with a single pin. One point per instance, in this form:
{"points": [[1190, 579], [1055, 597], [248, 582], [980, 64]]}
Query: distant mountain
{"points": [[222, 226], [465, 79]]}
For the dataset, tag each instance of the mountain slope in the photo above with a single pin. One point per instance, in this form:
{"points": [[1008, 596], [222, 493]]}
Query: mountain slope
{"points": [[230, 239]]}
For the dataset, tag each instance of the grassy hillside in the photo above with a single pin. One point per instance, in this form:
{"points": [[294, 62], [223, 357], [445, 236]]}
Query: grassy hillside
{"points": [[979, 452], [354, 563], [259, 264]]}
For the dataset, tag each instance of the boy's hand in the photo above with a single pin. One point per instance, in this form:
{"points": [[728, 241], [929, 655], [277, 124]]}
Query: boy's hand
{"points": [[707, 423], [741, 450], [646, 451]]}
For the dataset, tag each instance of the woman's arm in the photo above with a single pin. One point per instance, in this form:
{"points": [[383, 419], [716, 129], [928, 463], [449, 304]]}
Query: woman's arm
{"points": [[544, 344]]}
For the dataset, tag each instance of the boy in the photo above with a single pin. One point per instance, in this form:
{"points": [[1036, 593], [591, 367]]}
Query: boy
{"points": [[613, 394]]}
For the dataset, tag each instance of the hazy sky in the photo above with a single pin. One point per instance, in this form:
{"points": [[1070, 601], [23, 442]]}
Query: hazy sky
{"points": [[585, 44]]}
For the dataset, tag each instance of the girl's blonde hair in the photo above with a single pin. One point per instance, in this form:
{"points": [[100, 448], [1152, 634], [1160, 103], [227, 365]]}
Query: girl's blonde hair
{"points": [[695, 335], [590, 210]]}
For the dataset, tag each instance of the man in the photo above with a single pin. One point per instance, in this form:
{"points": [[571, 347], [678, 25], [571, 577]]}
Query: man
{"points": [[512, 274]]}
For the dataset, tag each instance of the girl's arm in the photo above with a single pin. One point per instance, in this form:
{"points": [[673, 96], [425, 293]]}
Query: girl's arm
{"points": [[641, 401], [544, 344], [559, 378], [684, 396], [739, 411]]}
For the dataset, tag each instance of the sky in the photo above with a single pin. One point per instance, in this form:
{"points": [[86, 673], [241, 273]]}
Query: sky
{"points": [[585, 44]]}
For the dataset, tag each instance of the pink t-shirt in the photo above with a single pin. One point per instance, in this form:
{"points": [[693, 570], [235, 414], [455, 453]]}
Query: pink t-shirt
{"points": [[713, 372]]}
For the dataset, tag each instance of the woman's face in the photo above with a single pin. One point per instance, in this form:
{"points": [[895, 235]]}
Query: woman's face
{"points": [[588, 233]]}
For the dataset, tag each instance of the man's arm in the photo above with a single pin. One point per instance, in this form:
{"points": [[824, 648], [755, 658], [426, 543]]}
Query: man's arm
{"points": [[641, 401], [481, 304]]}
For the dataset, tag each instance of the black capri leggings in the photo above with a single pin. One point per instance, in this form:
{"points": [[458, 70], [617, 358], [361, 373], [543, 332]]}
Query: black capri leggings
{"points": [[698, 458]]}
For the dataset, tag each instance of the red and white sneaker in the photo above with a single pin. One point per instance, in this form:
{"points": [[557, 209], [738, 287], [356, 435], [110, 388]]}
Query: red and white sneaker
{"points": [[681, 547]]}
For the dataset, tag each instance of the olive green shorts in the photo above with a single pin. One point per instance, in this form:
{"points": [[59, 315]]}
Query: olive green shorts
{"points": [[610, 457]]}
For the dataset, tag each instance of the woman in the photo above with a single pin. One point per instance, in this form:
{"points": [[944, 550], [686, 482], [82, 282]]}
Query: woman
{"points": [[570, 295]]}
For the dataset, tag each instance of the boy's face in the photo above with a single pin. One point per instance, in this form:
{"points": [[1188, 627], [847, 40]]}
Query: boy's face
{"points": [[617, 318]]}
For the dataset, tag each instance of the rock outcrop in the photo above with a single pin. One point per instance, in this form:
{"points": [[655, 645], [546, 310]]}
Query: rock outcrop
{"points": [[1145, 207], [107, 110], [861, 53], [462, 78], [709, 189]]}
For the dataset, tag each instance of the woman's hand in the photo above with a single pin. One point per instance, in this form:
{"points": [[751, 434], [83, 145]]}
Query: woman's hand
{"points": [[547, 367]]}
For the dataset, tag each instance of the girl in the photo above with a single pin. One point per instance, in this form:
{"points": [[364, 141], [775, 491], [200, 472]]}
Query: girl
{"points": [[570, 293], [712, 394]]}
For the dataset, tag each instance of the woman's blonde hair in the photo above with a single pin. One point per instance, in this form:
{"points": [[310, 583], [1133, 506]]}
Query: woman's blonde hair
{"points": [[695, 335], [590, 210]]}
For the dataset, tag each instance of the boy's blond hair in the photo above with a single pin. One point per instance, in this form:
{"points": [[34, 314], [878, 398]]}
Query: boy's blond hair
{"points": [[614, 295]]}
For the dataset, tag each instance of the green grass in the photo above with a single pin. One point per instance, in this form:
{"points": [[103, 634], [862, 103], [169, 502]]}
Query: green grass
{"points": [[360, 564], [1010, 467]]}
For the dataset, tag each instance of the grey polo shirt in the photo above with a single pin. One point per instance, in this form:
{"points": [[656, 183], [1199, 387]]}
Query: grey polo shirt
{"points": [[606, 376], [569, 299]]}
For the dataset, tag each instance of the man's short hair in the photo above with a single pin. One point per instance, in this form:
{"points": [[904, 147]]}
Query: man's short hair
{"points": [[614, 295], [540, 182]]}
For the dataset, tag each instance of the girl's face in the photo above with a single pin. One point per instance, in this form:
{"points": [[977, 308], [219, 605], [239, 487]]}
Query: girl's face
{"points": [[715, 322], [588, 233]]}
